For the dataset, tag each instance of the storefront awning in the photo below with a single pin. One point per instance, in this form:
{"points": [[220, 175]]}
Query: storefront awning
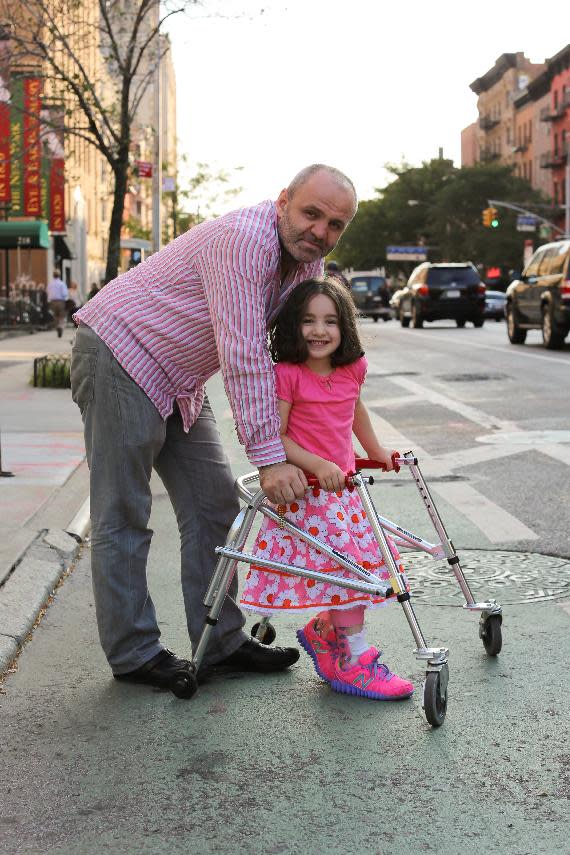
{"points": [[30, 234]]}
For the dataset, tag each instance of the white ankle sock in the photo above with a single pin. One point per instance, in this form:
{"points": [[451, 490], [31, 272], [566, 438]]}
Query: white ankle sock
{"points": [[357, 644]]}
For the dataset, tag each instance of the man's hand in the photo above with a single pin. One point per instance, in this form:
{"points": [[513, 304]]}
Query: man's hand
{"points": [[282, 482]]}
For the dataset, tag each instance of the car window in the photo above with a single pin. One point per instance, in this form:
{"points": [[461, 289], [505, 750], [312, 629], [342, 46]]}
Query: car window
{"points": [[557, 257], [457, 275], [532, 267], [367, 283], [359, 286]]}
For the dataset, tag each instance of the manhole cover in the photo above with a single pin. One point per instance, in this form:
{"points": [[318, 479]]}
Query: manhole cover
{"points": [[469, 378], [526, 437], [507, 577]]}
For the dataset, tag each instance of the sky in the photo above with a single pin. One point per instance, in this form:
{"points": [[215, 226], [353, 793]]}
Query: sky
{"points": [[270, 87]]}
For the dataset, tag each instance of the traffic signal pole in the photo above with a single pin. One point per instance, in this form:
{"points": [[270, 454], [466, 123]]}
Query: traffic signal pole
{"points": [[499, 203]]}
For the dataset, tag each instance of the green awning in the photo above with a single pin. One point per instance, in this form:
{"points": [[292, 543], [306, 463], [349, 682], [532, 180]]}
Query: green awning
{"points": [[28, 234]]}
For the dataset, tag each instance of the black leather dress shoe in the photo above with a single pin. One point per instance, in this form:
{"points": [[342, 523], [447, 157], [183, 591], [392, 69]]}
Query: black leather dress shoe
{"points": [[253, 656], [165, 671]]}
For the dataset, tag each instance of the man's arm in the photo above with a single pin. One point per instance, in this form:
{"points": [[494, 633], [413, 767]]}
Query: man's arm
{"points": [[234, 273]]}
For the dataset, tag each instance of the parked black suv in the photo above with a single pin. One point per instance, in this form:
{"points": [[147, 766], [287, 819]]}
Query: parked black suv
{"points": [[438, 291], [540, 299], [371, 295]]}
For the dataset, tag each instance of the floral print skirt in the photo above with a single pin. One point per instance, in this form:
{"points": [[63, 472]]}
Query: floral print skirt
{"points": [[339, 520]]}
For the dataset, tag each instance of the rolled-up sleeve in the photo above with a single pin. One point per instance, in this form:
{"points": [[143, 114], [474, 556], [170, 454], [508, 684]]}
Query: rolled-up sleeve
{"points": [[234, 271]]}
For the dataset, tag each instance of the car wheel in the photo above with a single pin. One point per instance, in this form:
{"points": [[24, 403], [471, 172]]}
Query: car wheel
{"points": [[417, 320], [403, 319], [515, 333], [460, 324], [375, 318], [478, 323], [552, 335]]}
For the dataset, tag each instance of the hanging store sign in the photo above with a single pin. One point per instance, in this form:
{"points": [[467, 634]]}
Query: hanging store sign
{"points": [[53, 168], [32, 147], [57, 196], [4, 151], [4, 122], [16, 148]]}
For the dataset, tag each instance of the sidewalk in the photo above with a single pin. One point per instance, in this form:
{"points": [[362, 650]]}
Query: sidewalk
{"points": [[42, 446]]}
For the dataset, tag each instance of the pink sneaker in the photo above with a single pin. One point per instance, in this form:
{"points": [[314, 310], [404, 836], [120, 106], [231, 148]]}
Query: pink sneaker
{"points": [[370, 678], [322, 650]]}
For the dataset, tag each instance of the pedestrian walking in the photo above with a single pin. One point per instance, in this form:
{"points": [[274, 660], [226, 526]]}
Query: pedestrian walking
{"points": [[319, 373], [57, 294], [146, 345]]}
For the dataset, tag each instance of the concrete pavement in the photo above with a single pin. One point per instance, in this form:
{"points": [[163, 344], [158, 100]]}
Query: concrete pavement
{"points": [[42, 446]]}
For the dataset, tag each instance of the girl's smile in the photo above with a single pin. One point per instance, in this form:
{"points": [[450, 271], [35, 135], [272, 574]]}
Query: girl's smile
{"points": [[320, 329]]}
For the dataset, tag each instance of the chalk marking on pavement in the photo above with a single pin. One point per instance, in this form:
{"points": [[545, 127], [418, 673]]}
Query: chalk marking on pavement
{"points": [[558, 452], [483, 453], [512, 351], [498, 525], [468, 412]]}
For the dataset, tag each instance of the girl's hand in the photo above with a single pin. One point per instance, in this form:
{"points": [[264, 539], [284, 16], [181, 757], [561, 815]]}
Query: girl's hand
{"points": [[330, 476], [385, 457]]}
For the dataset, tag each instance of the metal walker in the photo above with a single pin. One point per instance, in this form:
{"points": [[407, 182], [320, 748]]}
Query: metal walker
{"points": [[435, 658]]}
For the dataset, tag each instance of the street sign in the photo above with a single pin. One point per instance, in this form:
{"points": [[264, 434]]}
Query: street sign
{"points": [[526, 223], [406, 253]]}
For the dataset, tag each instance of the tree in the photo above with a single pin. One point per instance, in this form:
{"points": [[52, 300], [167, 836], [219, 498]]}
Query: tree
{"points": [[439, 206], [99, 59], [204, 191]]}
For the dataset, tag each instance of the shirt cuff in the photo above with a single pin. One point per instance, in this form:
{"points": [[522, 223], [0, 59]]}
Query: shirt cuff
{"points": [[266, 453]]}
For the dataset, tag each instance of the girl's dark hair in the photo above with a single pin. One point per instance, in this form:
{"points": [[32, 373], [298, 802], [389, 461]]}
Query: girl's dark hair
{"points": [[286, 341]]}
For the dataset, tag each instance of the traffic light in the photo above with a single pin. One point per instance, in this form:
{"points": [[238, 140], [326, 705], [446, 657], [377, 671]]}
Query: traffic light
{"points": [[490, 218]]}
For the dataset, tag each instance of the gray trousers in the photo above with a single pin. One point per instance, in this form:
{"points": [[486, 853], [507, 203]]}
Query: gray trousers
{"points": [[125, 438]]}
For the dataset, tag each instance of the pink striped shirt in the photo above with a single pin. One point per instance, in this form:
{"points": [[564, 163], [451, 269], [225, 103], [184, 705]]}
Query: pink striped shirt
{"points": [[199, 305]]}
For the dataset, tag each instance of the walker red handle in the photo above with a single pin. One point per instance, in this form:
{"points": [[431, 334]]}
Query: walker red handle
{"points": [[360, 463], [365, 463]]}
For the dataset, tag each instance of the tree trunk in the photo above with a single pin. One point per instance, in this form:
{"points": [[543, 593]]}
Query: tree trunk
{"points": [[114, 251]]}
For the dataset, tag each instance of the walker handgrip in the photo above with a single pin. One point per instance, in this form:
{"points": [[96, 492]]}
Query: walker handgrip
{"points": [[365, 463]]}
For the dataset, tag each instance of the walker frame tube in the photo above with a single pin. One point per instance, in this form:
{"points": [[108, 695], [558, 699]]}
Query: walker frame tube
{"points": [[486, 608]]}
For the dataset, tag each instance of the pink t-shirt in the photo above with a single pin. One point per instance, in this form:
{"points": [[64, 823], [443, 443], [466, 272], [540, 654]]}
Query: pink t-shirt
{"points": [[322, 408]]}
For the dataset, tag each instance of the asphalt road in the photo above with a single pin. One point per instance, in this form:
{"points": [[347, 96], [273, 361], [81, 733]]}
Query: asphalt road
{"points": [[280, 764]]}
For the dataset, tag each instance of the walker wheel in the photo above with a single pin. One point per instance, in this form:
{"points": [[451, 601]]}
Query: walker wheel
{"points": [[184, 684], [435, 696], [491, 634], [265, 633]]}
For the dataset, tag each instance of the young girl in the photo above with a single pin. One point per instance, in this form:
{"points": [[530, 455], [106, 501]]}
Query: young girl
{"points": [[319, 372]]}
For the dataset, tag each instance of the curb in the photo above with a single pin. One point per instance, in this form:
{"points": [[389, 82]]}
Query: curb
{"points": [[32, 582]]}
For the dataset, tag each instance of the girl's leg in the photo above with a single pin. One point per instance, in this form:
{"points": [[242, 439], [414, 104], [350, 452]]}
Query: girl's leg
{"points": [[350, 633], [358, 670], [318, 639]]}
